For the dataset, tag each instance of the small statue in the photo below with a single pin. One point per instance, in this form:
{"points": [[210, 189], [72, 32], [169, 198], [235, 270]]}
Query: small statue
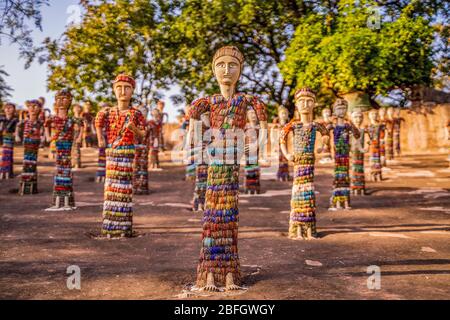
{"points": [[89, 128], [302, 222], [33, 127], [124, 126], [64, 128], [252, 178], [76, 147], [389, 133], [327, 121], [341, 138], [219, 260], [155, 127], [376, 135], [382, 119], [140, 174], [283, 163], [201, 166], [8, 128], [397, 128], [357, 178], [101, 161]]}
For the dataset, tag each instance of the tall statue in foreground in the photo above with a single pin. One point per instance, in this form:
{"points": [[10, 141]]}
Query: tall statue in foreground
{"points": [[63, 129], [124, 126], [219, 260], [302, 222], [342, 129]]}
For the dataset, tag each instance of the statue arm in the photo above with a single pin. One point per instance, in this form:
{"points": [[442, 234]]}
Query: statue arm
{"points": [[100, 120], [283, 139]]}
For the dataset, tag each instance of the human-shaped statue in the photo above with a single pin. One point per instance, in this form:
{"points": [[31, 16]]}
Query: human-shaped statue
{"points": [[200, 160], [376, 135], [33, 127], [124, 127], [101, 161], [76, 146], [219, 260], [397, 128], [140, 174], [164, 118], [342, 129], [283, 163], [382, 120], [63, 128], [357, 178], [327, 121], [302, 222], [89, 127], [155, 126], [252, 178], [389, 133], [9, 130]]}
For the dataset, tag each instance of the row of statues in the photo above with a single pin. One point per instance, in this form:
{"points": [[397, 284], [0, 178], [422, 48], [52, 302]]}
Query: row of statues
{"points": [[124, 134]]}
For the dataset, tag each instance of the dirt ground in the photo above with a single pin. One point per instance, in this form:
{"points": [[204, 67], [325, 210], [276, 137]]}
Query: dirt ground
{"points": [[403, 227]]}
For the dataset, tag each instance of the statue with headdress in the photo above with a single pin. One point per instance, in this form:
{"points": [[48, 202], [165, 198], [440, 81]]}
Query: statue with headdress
{"points": [[124, 128], [219, 259], [302, 220], [60, 129], [8, 129], [376, 131], [342, 130]]}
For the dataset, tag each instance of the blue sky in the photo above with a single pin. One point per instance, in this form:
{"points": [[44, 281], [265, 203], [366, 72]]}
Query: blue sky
{"points": [[31, 83]]}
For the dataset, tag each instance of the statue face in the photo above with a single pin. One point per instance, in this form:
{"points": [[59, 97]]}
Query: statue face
{"points": [[373, 116], [9, 110], [305, 105], [156, 114], [340, 110], [357, 118], [33, 109], [283, 114], [123, 91], [62, 102], [382, 112], [87, 107], [252, 118], [326, 113], [77, 109], [227, 70], [397, 113]]}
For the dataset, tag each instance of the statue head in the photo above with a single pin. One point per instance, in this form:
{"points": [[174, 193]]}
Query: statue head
{"points": [[227, 65], [144, 110], [9, 108], [340, 107], [34, 107], [397, 112], [252, 118], [156, 114], [305, 101], [357, 117], [63, 100], [160, 105], [87, 106], [123, 87], [382, 113], [283, 114], [77, 110], [326, 114], [373, 116]]}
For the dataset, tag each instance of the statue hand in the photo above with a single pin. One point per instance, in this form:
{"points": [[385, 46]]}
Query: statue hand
{"points": [[289, 157]]}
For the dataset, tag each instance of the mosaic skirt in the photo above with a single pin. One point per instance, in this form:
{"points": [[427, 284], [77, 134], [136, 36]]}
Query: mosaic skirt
{"points": [[140, 175], [63, 181], [341, 184], [7, 161], [118, 205], [201, 172], [252, 181], [357, 178], [219, 252]]}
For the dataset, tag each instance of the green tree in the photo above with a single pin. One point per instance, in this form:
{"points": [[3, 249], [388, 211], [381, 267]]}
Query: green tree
{"points": [[113, 37], [342, 50]]}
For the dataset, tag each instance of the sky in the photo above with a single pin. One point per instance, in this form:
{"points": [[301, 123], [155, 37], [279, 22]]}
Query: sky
{"points": [[31, 83]]}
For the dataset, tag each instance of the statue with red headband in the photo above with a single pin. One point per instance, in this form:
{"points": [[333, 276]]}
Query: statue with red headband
{"points": [[8, 129], [219, 259], [124, 126], [33, 127], [63, 128]]}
